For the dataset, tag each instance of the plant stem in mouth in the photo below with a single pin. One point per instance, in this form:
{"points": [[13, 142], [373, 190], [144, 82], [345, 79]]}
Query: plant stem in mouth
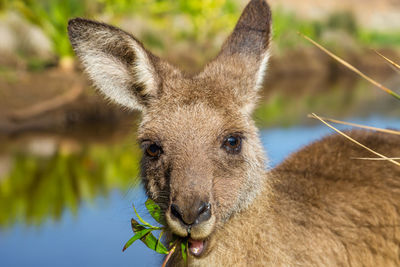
{"points": [[171, 251]]}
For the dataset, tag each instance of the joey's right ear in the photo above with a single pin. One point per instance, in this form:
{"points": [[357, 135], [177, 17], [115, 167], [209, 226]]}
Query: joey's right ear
{"points": [[244, 56], [116, 62]]}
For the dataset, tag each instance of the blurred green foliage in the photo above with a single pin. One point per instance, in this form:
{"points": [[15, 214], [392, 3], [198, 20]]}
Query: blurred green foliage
{"points": [[194, 16], [286, 25], [379, 39], [166, 24], [39, 188], [177, 18], [3, 4], [52, 17], [342, 20]]}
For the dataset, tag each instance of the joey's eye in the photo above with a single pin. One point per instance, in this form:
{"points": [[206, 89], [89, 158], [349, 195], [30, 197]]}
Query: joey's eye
{"points": [[233, 143], [153, 150]]}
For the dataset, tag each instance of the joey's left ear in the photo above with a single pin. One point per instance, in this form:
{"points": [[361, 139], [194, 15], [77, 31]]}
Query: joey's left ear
{"points": [[244, 56], [120, 67]]}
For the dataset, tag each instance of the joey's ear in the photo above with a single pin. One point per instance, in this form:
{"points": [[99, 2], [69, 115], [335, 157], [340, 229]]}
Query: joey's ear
{"points": [[244, 55], [116, 62]]}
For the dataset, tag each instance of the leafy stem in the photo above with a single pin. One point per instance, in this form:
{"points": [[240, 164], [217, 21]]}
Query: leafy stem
{"points": [[143, 231]]}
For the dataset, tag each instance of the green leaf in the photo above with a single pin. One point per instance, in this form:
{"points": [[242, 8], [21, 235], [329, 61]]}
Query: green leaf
{"points": [[184, 246], [155, 211], [141, 220], [151, 242], [159, 238], [143, 231], [138, 235], [136, 227]]}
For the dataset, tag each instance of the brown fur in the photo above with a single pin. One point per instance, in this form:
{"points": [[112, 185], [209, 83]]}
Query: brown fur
{"points": [[320, 207]]}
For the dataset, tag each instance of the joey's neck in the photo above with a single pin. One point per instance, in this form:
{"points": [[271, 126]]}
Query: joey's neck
{"points": [[255, 211], [259, 197], [256, 186]]}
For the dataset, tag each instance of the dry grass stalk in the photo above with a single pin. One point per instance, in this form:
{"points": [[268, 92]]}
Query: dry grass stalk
{"points": [[172, 251], [351, 67], [391, 62], [355, 141], [376, 158], [359, 125]]}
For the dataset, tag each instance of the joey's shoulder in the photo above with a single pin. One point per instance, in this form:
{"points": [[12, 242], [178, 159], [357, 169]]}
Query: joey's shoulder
{"points": [[334, 151], [330, 165]]}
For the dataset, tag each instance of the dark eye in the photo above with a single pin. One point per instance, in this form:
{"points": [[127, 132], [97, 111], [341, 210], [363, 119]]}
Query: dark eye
{"points": [[153, 150], [232, 143]]}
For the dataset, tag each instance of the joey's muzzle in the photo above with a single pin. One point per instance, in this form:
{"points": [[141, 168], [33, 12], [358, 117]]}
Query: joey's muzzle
{"points": [[194, 218], [193, 215]]}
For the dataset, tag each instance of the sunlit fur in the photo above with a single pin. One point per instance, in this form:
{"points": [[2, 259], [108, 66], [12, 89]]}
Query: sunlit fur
{"points": [[195, 164], [321, 207]]}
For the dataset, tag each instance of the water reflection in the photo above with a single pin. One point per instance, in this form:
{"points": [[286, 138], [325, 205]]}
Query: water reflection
{"points": [[44, 176], [75, 196], [47, 176], [292, 98]]}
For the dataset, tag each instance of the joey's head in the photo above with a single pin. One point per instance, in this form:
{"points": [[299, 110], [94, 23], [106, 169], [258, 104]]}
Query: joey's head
{"points": [[202, 158]]}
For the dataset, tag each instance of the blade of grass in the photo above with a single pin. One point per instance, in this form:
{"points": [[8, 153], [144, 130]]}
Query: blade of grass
{"points": [[359, 125], [184, 250], [355, 141], [351, 67], [376, 158], [141, 220], [391, 62]]}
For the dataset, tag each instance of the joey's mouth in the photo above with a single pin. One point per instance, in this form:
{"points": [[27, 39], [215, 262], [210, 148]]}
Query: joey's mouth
{"points": [[197, 248], [197, 235]]}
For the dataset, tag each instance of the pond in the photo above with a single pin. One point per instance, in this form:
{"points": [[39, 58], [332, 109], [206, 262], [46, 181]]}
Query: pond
{"points": [[70, 204]]}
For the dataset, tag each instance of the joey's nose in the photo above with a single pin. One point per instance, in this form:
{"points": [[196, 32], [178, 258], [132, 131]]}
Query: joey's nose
{"points": [[193, 214]]}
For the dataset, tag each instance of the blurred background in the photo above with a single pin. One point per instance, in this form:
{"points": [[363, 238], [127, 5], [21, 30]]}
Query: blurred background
{"points": [[69, 160]]}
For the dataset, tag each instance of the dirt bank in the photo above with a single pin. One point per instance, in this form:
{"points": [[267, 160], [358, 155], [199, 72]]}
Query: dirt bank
{"points": [[54, 100]]}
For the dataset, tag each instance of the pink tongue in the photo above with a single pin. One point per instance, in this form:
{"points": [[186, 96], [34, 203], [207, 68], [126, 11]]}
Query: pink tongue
{"points": [[196, 247]]}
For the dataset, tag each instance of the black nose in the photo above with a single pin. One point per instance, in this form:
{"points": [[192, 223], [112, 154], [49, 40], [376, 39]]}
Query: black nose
{"points": [[193, 214]]}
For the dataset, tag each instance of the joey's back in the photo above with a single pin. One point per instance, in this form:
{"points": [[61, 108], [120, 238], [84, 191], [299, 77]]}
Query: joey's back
{"points": [[350, 205]]}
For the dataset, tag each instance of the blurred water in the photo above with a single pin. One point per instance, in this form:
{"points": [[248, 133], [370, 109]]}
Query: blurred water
{"points": [[94, 235]]}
